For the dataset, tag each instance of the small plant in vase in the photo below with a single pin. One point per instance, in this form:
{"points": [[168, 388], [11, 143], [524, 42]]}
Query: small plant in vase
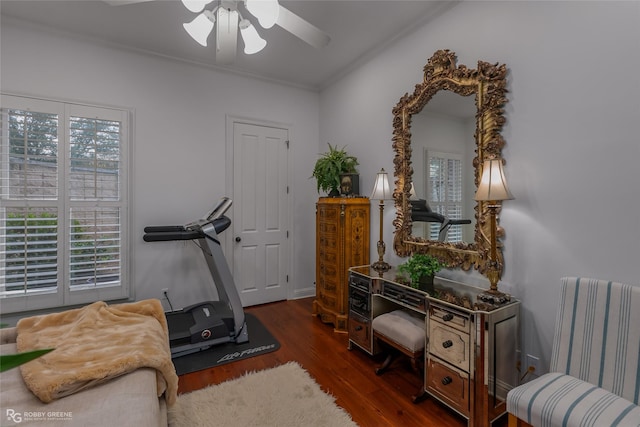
{"points": [[421, 268], [330, 166]]}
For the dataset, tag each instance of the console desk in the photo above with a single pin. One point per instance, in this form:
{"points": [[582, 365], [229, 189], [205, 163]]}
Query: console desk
{"points": [[471, 348]]}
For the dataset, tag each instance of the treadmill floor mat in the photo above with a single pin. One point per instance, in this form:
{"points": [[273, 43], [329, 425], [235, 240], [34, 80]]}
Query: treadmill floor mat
{"points": [[260, 342]]}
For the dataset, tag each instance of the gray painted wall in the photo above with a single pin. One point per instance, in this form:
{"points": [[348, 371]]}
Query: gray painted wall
{"points": [[573, 121]]}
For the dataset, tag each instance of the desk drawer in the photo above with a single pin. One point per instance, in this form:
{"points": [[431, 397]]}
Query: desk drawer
{"points": [[360, 331], [450, 345], [449, 385], [403, 294], [452, 318]]}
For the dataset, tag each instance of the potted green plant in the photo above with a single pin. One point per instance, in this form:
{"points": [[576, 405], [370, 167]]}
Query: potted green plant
{"points": [[421, 268], [330, 166]]}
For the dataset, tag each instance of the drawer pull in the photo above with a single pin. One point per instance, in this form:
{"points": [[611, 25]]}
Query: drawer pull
{"points": [[447, 380], [447, 343], [358, 328], [447, 317]]}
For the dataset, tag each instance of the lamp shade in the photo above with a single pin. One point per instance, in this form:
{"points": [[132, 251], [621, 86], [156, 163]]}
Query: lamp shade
{"points": [[381, 189], [195, 6], [267, 11], [253, 43], [493, 185], [412, 193], [200, 28]]}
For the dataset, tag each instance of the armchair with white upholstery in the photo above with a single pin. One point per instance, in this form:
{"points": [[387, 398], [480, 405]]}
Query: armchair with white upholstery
{"points": [[594, 376]]}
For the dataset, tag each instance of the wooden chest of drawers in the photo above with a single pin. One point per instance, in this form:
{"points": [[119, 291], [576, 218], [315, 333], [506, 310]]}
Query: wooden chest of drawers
{"points": [[342, 241]]}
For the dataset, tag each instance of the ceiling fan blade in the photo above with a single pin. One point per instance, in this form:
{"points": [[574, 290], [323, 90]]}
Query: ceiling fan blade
{"points": [[226, 36], [124, 2], [302, 29]]}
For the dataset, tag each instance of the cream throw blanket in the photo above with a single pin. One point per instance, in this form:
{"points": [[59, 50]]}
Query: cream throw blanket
{"points": [[94, 344]]}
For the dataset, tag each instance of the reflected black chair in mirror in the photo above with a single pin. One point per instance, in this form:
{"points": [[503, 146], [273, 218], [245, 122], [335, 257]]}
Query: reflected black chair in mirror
{"points": [[421, 211]]}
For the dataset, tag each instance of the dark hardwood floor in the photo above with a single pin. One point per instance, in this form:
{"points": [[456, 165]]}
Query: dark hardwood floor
{"points": [[346, 374]]}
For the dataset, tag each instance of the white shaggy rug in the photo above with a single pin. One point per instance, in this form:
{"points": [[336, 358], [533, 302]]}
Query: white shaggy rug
{"points": [[284, 396]]}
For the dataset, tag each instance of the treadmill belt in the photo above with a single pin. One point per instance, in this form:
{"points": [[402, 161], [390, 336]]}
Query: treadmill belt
{"points": [[260, 342]]}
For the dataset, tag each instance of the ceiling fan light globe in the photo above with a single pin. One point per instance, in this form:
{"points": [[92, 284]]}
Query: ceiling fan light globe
{"points": [[195, 6], [200, 28], [266, 11], [253, 43]]}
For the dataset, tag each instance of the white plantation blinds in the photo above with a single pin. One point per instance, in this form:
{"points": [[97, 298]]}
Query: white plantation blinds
{"points": [[64, 203], [444, 191], [29, 249], [95, 251]]}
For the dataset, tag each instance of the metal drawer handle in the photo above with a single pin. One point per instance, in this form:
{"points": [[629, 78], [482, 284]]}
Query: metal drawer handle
{"points": [[447, 343], [447, 317], [447, 380], [358, 328]]}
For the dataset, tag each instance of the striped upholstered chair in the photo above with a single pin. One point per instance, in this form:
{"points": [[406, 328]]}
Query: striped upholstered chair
{"points": [[594, 377]]}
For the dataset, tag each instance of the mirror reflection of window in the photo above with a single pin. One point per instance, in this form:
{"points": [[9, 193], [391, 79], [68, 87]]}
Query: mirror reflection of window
{"points": [[444, 192]]}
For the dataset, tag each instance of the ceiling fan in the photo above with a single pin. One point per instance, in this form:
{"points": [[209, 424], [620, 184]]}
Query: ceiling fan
{"points": [[229, 19]]}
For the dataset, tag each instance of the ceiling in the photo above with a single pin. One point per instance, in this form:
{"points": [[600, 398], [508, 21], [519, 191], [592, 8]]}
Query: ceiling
{"points": [[358, 29]]}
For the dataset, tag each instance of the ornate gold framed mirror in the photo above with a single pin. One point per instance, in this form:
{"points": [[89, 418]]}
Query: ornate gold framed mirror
{"points": [[487, 86]]}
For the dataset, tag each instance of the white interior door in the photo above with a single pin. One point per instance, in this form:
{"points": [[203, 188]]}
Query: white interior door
{"points": [[260, 212]]}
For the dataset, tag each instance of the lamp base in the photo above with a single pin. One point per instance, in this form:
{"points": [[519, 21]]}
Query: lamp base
{"points": [[381, 266], [494, 297]]}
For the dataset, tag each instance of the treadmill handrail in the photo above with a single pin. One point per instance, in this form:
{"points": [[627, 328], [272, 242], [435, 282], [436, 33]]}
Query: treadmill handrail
{"points": [[178, 232], [172, 235], [163, 228]]}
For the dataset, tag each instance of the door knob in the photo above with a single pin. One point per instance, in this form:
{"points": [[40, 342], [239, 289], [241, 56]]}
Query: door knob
{"points": [[238, 239]]}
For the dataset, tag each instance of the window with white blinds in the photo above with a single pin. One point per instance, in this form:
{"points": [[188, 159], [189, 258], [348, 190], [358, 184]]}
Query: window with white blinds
{"points": [[444, 191], [64, 210]]}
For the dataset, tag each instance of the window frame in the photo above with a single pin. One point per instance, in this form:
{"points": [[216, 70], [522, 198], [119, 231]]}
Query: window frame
{"points": [[63, 295]]}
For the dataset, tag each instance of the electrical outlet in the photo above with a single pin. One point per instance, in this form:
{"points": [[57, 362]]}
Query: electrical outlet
{"points": [[534, 362], [165, 292]]}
